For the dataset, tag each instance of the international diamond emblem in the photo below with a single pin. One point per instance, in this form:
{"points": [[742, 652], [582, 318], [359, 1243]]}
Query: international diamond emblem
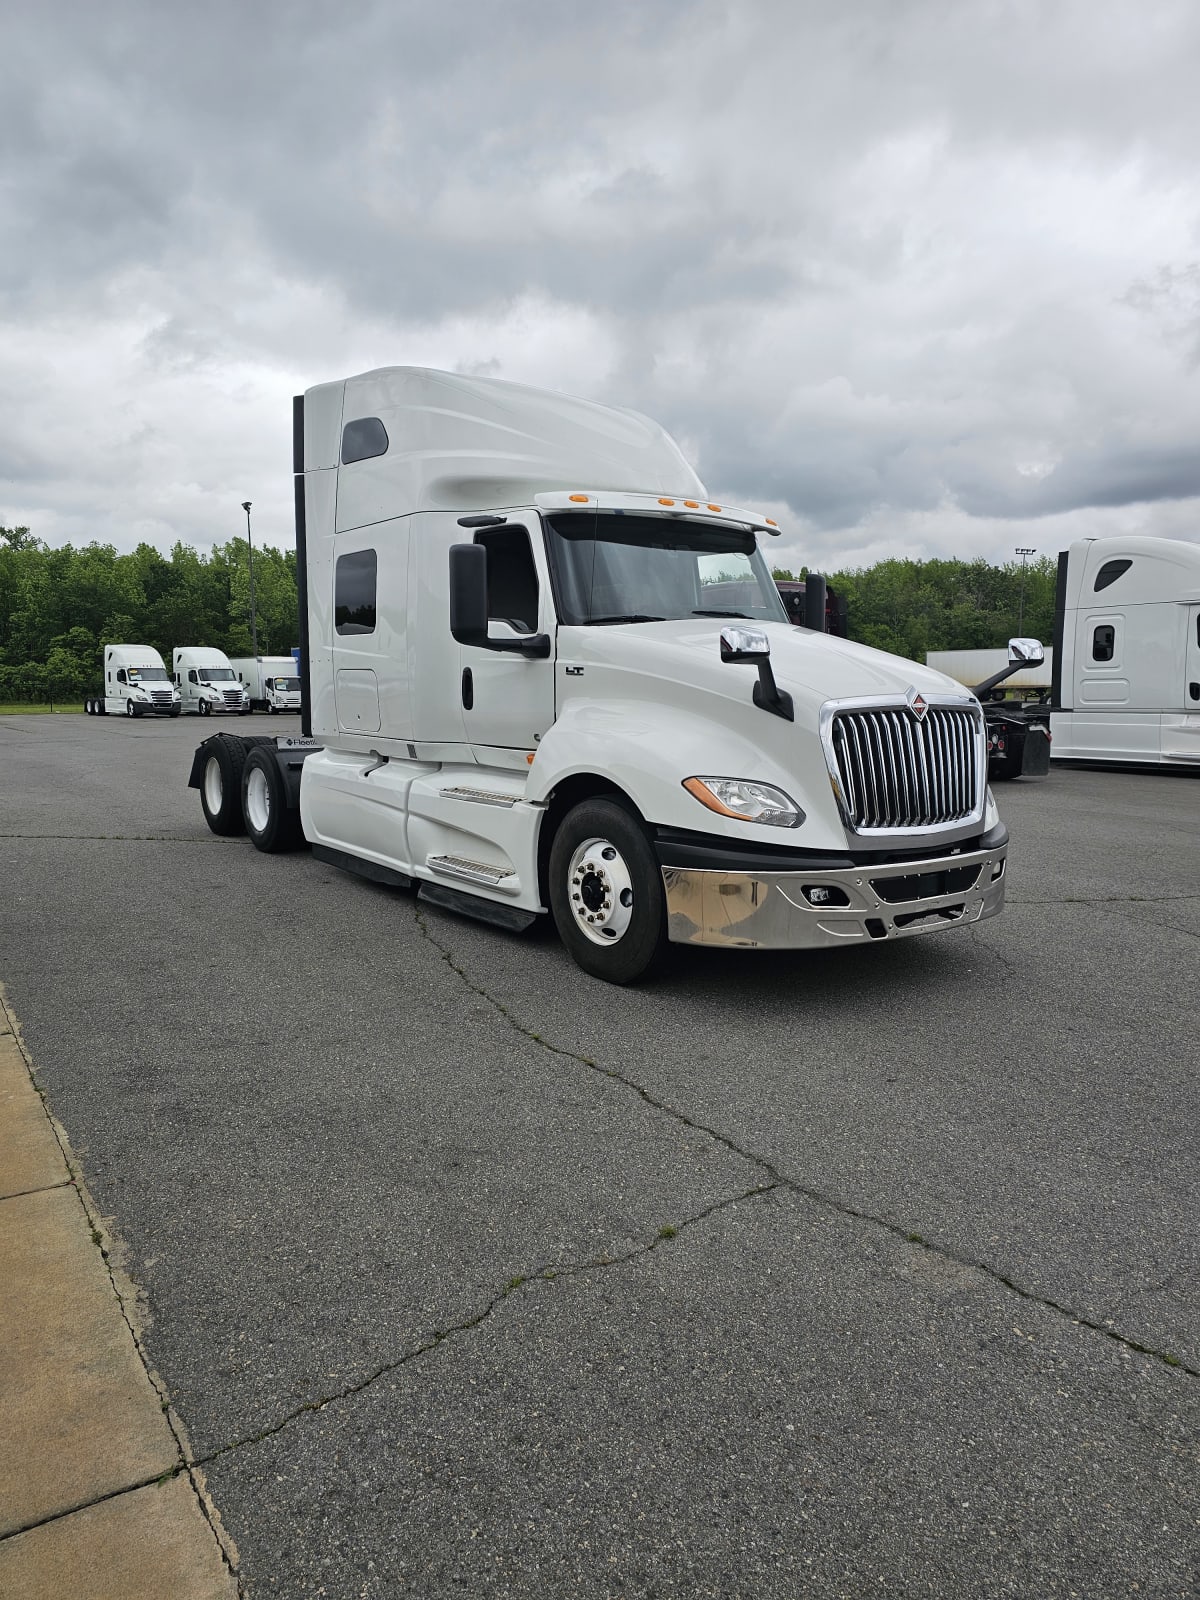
{"points": [[917, 703]]}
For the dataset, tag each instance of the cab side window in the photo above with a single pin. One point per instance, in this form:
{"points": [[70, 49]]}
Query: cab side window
{"points": [[1103, 642], [120, 674], [355, 586], [512, 577]]}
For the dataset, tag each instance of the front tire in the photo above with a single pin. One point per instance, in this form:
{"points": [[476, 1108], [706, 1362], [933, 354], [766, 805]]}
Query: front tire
{"points": [[606, 892], [130, 709], [272, 824]]}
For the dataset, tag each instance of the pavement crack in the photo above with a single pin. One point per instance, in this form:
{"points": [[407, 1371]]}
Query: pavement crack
{"points": [[119, 838], [44, 1188], [780, 1180], [547, 1273], [1101, 900]]}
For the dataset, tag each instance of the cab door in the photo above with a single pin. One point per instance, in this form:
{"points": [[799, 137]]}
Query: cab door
{"points": [[508, 698], [1191, 661]]}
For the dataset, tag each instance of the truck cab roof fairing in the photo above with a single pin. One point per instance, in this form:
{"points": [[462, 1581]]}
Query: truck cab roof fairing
{"points": [[460, 442]]}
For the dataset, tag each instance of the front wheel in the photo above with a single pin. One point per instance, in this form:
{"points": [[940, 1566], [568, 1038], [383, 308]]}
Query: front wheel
{"points": [[606, 892], [204, 708], [130, 709]]}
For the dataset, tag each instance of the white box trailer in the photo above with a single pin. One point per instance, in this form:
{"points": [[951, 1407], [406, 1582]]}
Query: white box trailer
{"points": [[136, 684], [521, 696], [258, 674], [206, 682], [972, 667], [1127, 652]]}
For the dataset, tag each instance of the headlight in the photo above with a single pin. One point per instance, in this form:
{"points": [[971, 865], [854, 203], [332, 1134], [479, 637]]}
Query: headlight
{"points": [[746, 801]]}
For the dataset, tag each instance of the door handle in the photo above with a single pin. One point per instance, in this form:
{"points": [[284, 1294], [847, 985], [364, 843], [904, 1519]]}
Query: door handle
{"points": [[1194, 690], [468, 689]]}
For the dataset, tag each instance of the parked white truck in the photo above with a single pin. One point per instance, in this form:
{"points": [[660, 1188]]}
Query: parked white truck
{"points": [[519, 696], [136, 684], [206, 682], [1127, 652], [260, 676]]}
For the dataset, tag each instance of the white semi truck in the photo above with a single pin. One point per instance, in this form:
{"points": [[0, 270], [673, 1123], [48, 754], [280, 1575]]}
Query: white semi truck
{"points": [[136, 684], [206, 682], [520, 696], [1126, 683], [261, 677]]}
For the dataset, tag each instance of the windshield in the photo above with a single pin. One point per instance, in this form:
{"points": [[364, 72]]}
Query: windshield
{"points": [[612, 567], [216, 674], [147, 675], [287, 683]]}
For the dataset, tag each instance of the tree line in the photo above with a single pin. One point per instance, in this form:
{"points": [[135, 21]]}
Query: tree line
{"points": [[910, 607], [59, 607]]}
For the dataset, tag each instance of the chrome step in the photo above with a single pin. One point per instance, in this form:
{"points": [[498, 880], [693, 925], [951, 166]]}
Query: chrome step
{"points": [[480, 797], [486, 872]]}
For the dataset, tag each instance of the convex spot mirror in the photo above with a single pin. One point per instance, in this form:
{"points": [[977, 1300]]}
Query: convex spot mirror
{"points": [[1027, 652], [744, 644]]}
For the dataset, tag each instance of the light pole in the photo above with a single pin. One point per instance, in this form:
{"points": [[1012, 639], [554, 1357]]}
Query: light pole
{"points": [[253, 609], [1024, 554]]}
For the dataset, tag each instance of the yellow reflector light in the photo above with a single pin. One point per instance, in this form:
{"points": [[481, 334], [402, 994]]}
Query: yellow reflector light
{"points": [[711, 507], [695, 504], [771, 523], [529, 758], [582, 497], [665, 502]]}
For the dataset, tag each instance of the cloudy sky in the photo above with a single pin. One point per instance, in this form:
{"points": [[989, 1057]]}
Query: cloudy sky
{"points": [[918, 277]]}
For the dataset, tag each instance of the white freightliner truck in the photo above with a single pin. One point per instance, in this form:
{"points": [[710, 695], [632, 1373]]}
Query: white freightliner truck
{"points": [[520, 696], [136, 684], [1123, 675], [206, 682], [260, 676], [1126, 684]]}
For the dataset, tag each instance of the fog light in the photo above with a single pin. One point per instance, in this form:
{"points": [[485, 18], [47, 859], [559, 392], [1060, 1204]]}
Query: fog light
{"points": [[997, 870], [823, 894]]}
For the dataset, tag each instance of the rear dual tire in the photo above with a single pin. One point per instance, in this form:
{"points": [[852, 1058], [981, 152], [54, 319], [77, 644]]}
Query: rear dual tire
{"points": [[272, 823]]}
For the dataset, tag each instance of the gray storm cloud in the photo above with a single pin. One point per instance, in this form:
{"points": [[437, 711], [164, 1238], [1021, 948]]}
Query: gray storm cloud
{"points": [[927, 263]]}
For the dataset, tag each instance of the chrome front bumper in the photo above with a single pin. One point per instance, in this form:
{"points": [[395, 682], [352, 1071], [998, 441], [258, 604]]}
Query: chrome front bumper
{"points": [[770, 911]]}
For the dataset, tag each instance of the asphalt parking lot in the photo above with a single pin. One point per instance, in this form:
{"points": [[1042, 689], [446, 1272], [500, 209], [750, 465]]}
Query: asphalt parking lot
{"points": [[850, 1274]]}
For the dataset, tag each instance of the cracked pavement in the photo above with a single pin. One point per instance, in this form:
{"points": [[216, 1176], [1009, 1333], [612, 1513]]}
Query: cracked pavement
{"points": [[854, 1273]]}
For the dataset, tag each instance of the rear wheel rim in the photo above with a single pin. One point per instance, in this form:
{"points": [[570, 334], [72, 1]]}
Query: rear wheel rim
{"points": [[214, 786], [258, 800], [600, 892]]}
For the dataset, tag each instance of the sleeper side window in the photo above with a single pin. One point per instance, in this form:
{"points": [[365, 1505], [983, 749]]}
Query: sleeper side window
{"points": [[1109, 573], [512, 577], [363, 439], [1103, 642], [355, 584]]}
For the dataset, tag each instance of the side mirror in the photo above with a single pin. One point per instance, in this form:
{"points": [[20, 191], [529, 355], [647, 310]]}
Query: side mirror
{"points": [[469, 607], [468, 594], [749, 644], [1025, 652]]}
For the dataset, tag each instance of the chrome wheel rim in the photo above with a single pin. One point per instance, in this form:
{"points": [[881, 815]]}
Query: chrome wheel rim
{"points": [[600, 891]]}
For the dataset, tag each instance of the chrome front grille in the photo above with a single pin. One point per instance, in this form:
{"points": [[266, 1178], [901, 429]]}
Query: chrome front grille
{"points": [[898, 772]]}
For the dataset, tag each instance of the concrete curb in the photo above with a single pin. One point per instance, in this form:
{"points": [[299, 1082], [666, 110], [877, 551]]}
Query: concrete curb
{"points": [[96, 1495]]}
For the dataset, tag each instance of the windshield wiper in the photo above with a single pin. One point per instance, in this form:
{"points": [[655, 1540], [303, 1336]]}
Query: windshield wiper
{"points": [[634, 616], [745, 615]]}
